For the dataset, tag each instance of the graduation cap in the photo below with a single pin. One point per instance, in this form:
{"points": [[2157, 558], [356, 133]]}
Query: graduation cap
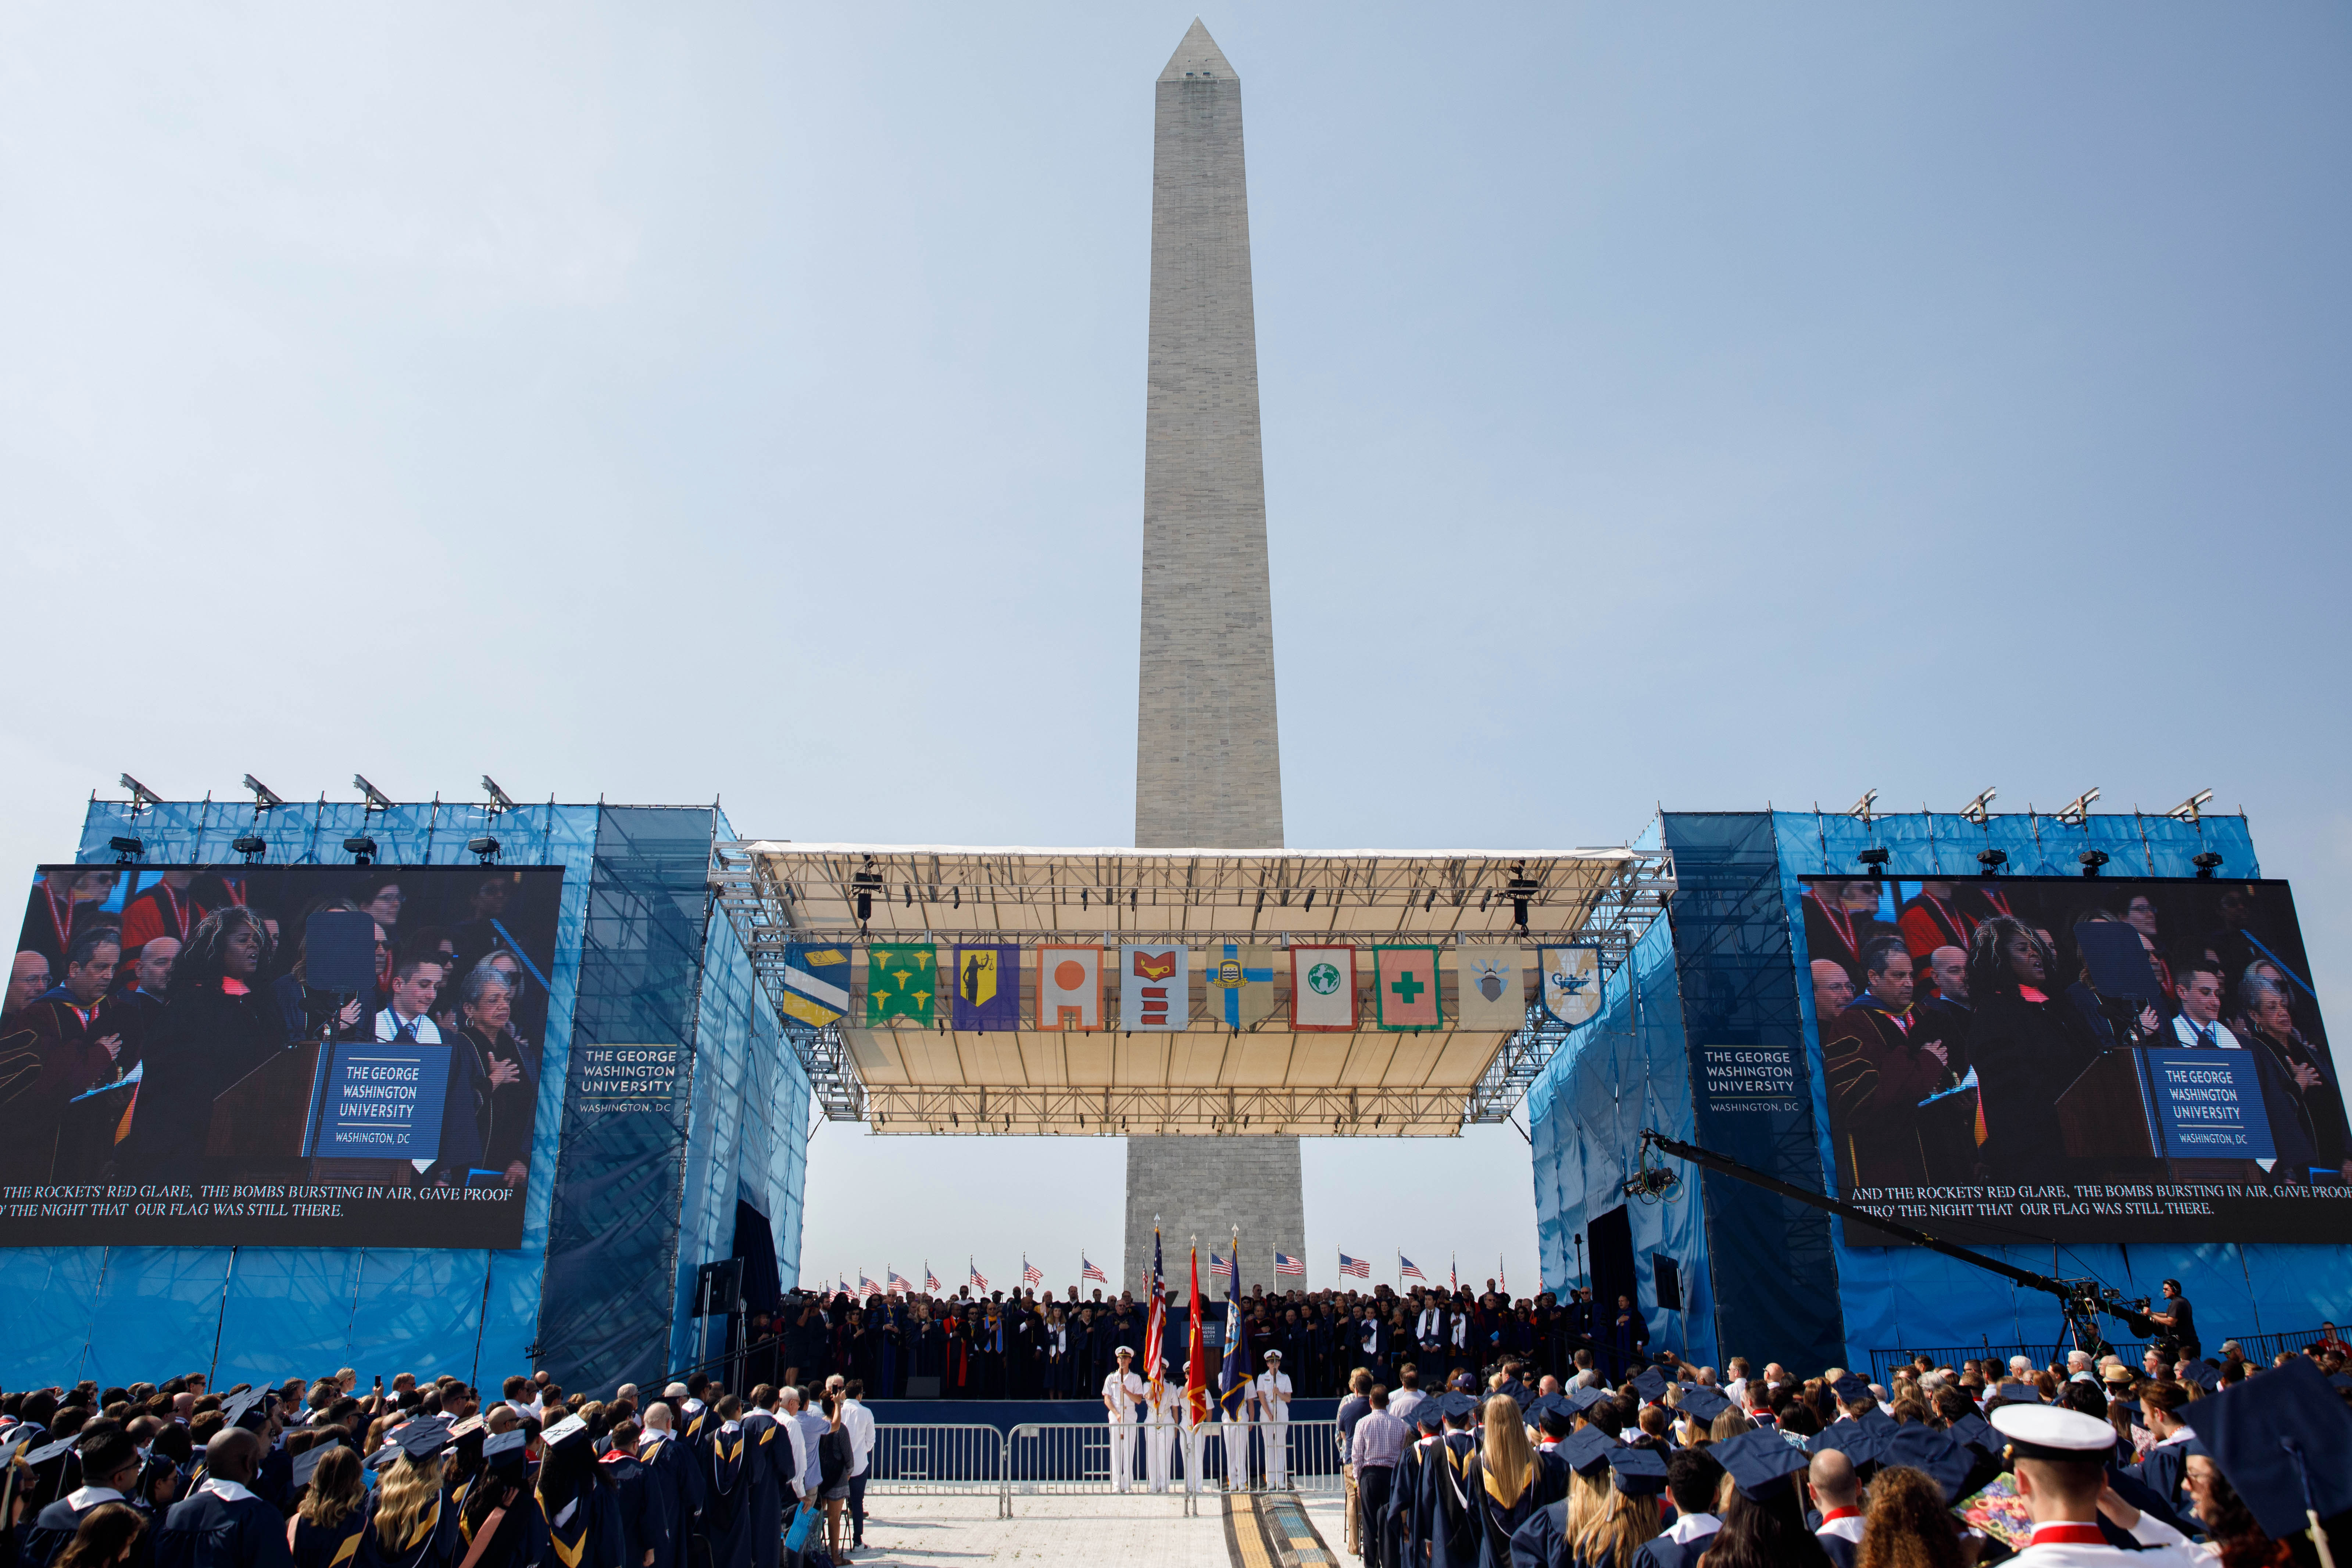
{"points": [[1429, 1415], [504, 1451], [1856, 1441], [1935, 1454], [1652, 1384], [2206, 1377], [1701, 1404], [306, 1463], [1582, 1399], [1637, 1472], [1759, 1461], [2281, 1439], [1587, 1452], [1456, 1405], [2018, 1394], [381, 1460], [420, 1440], [249, 1409], [47, 1451], [1976, 1433], [570, 1429], [1850, 1389], [2340, 1380]]}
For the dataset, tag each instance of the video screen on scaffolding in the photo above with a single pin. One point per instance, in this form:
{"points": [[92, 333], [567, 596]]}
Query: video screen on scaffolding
{"points": [[332, 1055], [2074, 1060]]}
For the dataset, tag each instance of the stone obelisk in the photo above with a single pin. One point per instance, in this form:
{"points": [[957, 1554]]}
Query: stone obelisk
{"points": [[1208, 772]]}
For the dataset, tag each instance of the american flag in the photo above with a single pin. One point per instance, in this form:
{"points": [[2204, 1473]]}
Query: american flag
{"points": [[1408, 1270], [865, 1286], [1220, 1267], [1502, 1280], [1030, 1273], [930, 1281], [900, 1285], [1091, 1271], [1452, 1275], [979, 1281], [1286, 1264], [1355, 1266]]}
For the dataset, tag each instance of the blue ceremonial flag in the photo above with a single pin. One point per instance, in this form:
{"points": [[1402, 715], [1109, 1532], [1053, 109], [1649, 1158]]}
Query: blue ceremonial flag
{"points": [[987, 988], [1235, 1376], [816, 983], [1241, 984]]}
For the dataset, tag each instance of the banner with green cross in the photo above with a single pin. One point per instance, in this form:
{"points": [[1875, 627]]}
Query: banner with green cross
{"points": [[901, 982], [1405, 982]]}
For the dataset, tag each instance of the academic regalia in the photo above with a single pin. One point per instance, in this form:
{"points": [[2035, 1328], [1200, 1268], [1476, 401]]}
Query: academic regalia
{"points": [[635, 1506], [1445, 1501], [2027, 1052], [2165, 1472], [669, 1507], [766, 1473], [222, 1525], [571, 1517], [1542, 1541], [434, 1545], [725, 1460], [207, 1038], [1401, 1539], [50, 1531], [64, 1058], [1494, 1520], [334, 1548], [1666, 1551], [1878, 1069]]}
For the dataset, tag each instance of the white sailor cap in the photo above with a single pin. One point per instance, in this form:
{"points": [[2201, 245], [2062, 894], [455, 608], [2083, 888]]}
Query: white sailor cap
{"points": [[1124, 1350], [2052, 1431], [1273, 1355]]}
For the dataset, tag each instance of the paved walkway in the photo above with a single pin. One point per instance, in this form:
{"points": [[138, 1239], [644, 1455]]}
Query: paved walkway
{"points": [[1134, 1530]]}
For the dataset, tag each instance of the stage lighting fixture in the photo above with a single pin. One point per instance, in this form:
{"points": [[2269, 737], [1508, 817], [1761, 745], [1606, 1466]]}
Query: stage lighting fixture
{"points": [[2207, 864], [484, 849], [2077, 811], [1992, 860], [2188, 809], [1522, 888], [126, 850], [376, 799], [866, 880], [251, 847], [498, 800], [2092, 860], [1876, 858], [140, 795], [264, 797], [361, 849], [1860, 810], [1980, 809]]}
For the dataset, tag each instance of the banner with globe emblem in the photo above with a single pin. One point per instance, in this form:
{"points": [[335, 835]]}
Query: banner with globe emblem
{"points": [[1490, 995], [1571, 981], [1322, 987]]}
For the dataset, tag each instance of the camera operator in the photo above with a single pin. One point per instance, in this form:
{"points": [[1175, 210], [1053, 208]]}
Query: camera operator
{"points": [[2178, 1321]]}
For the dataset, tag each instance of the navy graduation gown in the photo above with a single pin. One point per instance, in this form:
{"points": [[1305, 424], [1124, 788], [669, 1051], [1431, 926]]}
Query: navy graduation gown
{"points": [[49, 1532], [209, 1530], [1445, 1501], [724, 1460], [668, 1509], [765, 1472], [632, 1486], [1666, 1551], [1542, 1541], [433, 1549], [589, 1536], [317, 1548]]}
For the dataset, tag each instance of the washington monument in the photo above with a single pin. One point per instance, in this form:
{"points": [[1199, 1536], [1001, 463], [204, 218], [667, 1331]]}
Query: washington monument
{"points": [[1208, 770]]}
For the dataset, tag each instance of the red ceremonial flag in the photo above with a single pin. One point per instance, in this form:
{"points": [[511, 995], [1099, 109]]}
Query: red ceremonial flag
{"points": [[1196, 1351]]}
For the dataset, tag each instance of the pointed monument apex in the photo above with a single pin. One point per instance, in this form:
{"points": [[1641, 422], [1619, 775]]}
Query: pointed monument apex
{"points": [[1197, 56]]}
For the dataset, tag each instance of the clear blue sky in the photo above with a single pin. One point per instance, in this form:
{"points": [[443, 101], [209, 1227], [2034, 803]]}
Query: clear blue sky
{"points": [[1701, 404]]}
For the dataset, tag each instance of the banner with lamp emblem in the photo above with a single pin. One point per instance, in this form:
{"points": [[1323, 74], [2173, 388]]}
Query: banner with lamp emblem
{"points": [[1490, 995], [902, 982], [985, 993], [1241, 984], [1155, 986], [1570, 978]]}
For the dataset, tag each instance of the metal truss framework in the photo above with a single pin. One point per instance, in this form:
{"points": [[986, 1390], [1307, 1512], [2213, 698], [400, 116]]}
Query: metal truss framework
{"points": [[1606, 897]]}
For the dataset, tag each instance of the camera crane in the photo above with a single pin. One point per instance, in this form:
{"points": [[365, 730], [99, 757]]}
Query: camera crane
{"points": [[2080, 1301]]}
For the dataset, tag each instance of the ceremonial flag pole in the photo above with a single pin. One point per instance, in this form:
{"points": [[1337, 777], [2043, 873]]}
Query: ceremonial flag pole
{"points": [[1196, 1358]]}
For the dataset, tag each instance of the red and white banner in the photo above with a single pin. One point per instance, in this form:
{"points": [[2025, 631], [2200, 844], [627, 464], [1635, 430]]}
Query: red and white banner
{"points": [[1069, 988]]}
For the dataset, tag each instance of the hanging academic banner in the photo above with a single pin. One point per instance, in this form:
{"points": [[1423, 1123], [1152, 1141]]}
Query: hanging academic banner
{"points": [[816, 983], [2064, 1060], [902, 983], [1322, 987], [987, 994], [1570, 982], [1241, 984], [1154, 987], [301, 1055], [1404, 981], [1487, 993], [1069, 988]]}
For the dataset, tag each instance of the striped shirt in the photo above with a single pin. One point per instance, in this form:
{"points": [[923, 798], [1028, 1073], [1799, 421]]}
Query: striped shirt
{"points": [[1378, 1440]]}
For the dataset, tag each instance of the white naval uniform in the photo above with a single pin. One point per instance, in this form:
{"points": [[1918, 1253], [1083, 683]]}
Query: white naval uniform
{"points": [[1273, 1392], [2161, 1546], [1160, 1433], [1237, 1436], [1122, 1390], [1193, 1433]]}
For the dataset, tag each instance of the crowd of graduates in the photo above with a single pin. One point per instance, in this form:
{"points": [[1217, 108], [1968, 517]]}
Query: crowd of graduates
{"points": [[1021, 1344], [2083, 1461], [323, 1475]]}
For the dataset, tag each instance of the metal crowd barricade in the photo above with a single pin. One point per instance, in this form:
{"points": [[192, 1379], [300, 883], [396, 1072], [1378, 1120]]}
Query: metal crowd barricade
{"points": [[1070, 1458], [937, 1458]]}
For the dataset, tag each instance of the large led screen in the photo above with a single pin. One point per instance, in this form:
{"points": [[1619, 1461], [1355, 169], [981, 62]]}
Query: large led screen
{"points": [[328, 1056], [2075, 1059]]}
